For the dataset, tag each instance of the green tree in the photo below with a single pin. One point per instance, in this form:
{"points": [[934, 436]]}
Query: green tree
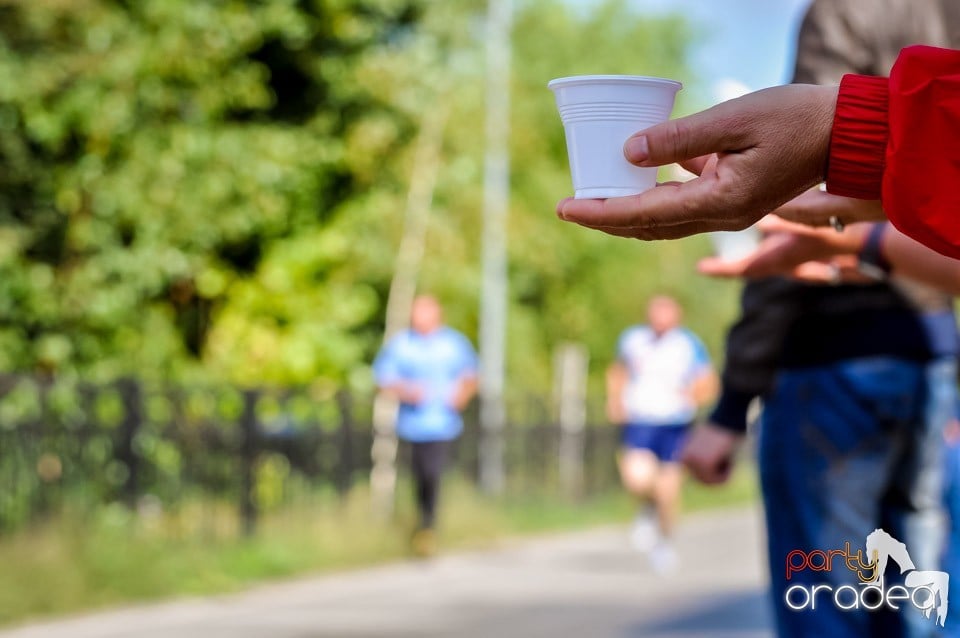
{"points": [[155, 154], [201, 187]]}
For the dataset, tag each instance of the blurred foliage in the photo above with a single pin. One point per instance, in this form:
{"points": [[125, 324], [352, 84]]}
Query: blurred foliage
{"points": [[215, 188]]}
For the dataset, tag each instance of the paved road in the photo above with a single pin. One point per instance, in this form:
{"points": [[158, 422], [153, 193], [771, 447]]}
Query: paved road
{"points": [[585, 584]]}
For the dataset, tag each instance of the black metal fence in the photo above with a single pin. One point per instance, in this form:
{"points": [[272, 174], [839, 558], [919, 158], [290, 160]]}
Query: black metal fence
{"points": [[78, 445]]}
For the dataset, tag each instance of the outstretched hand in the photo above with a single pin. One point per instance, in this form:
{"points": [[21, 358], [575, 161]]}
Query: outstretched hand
{"points": [[751, 155], [796, 250]]}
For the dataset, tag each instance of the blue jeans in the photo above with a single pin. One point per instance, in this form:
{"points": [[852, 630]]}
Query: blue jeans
{"points": [[845, 449], [951, 561]]}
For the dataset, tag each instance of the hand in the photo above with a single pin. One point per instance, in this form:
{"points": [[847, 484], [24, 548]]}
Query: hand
{"points": [[816, 207], [615, 413], [844, 269], [463, 393], [617, 378], [709, 453], [951, 433], [704, 388], [410, 394], [796, 250], [752, 155]]}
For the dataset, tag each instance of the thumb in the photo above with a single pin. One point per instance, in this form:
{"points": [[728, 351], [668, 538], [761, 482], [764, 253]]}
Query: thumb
{"points": [[686, 138]]}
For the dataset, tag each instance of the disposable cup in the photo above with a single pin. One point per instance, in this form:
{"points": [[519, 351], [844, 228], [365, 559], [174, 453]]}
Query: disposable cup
{"points": [[599, 113], [735, 245]]}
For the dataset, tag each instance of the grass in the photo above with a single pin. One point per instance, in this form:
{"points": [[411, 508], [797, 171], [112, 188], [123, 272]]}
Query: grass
{"points": [[80, 563]]}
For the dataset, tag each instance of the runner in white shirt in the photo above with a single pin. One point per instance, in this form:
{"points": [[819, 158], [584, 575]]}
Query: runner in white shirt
{"points": [[662, 376]]}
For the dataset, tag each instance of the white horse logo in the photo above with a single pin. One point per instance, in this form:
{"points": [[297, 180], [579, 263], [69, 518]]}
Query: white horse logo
{"points": [[882, 547]]}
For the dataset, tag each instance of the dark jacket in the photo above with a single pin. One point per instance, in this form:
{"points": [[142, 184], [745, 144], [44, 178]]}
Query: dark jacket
{"points": [[786, 324]]}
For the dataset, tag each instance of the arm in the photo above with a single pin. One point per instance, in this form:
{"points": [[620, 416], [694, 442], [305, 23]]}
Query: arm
{"points": [[466, 386], [465, 390], [390, 381], [703, 382], [617, 377], [704, 387], [913, 260], [793, 249], [893, 140], [751, 155], [404, 392], [768, 307]]}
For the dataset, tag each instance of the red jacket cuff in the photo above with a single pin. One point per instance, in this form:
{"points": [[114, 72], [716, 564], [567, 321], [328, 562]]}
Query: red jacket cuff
{"points": [[858, 141]]}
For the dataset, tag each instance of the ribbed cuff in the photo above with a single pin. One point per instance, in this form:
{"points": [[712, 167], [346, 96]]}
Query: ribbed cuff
{"points": [[730, 412], [858, 142]]}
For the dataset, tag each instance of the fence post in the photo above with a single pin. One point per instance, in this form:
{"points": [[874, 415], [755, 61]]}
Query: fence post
{"points": [[345, 467], [383, 454], [570, 388], [249, 450], [127, 453]]}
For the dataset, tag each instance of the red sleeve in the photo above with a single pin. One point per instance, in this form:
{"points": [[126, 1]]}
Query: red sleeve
{"points": [[899, 141]]}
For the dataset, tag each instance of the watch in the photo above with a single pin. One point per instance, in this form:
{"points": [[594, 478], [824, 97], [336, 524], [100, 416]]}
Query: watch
{"points": [[872, 262]]}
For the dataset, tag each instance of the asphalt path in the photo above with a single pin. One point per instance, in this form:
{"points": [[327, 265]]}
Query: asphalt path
{"points": [[580, 584]]}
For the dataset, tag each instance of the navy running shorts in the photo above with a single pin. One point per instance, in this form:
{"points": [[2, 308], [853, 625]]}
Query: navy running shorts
{"points": [[665, 441]]}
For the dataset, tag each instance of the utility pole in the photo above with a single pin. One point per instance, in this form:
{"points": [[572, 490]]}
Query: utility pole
{"points": [[496, 196]]}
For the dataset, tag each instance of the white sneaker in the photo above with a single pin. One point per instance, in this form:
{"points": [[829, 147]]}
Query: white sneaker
{"points": [[643, 533], [663, 558]]}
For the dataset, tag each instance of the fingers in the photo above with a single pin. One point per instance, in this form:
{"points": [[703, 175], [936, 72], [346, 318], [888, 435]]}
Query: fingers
{"points": [[836, 270], [815, 272], [697, 164], [709, 452], [717, 267], [677, 231], [686, 138], [668, 211], [816, 207], [711, 471], [774, 224], [812, 208], [777, 254]]}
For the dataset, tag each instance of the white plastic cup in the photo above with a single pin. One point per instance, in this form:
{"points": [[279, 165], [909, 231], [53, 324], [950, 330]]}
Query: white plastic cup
{"points": [[599, 113]]}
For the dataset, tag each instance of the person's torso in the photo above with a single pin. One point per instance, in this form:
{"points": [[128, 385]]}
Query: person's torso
{"points": [[866, 36], [434, 364], [660, 371], [901, 317]]}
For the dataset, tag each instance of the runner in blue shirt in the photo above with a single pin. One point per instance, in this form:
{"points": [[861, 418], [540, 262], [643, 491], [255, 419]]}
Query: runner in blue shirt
{"points": [[432, 371], [661, 377]]}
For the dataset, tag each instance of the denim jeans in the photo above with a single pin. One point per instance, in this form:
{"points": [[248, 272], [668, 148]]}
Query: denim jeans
{"points": [[951, 561], [846, 449]]}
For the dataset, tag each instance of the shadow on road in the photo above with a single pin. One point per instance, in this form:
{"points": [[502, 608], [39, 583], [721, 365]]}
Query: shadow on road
{"points": [[739, 615]]}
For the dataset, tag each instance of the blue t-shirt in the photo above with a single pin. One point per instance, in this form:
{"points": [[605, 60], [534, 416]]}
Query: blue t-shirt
{"points": [[434, 363], [661, 369]]}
